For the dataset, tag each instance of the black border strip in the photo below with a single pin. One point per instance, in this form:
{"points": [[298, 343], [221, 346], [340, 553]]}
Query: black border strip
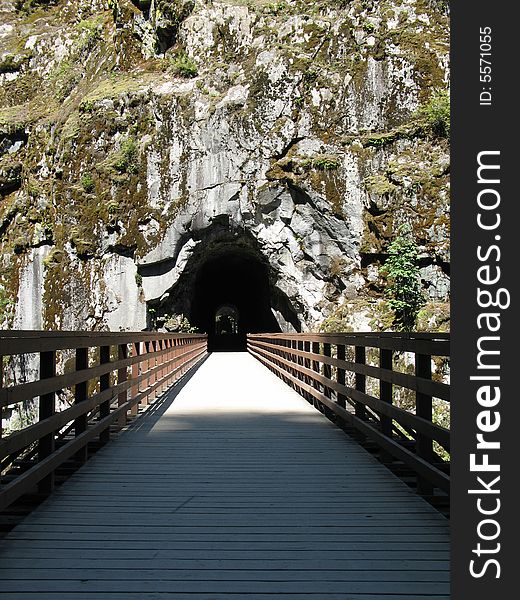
{"points": [[480, 125]]}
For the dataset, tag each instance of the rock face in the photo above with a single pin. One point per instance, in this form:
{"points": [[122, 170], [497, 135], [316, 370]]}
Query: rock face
{"points": [[161, 158]]}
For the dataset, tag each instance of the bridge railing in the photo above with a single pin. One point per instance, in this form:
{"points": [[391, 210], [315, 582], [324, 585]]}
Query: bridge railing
{"points": [[336, 372], [80, 384]]}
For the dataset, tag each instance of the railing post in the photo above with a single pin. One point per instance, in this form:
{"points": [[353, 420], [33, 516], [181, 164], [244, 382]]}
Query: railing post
{"points": [[386, 395], [316, 369], [162, 361], [47, 409], [307, 364], [134, 390], [290, 346], [170, 360], [179, 357], [360, 380], [424, 409], [341, 355], [145, 368], [104, 384], [158, 364], [299, 359], [327, 372], [174, 354], [291, 369], [155, 376], [284, 369], [80, 395], [122, 377], [327, 369]]}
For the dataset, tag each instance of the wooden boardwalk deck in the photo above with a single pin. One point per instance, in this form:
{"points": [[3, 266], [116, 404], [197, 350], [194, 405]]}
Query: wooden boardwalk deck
{"points": [[235, 487]]}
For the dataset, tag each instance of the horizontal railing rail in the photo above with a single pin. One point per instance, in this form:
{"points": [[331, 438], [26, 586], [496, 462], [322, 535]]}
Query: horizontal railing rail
{"points": [[333, 371], [107, 376]]}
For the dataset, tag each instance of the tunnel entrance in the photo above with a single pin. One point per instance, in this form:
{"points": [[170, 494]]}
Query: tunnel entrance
{"points": [[227, 289], [232, 298]]}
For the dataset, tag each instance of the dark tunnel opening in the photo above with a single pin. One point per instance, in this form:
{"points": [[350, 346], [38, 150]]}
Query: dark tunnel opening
{"points": [[227, 289], [231, 297]]}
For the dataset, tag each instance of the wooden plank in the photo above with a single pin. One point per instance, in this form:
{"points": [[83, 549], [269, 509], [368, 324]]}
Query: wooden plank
{"points": [[283, 562], [259, 572], [123, 584], [203, 539], [229, 549]]}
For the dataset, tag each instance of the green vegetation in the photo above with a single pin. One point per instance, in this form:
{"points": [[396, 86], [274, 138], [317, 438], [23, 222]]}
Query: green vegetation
{"points": [[90, 30], [437, 113], [321, 163], [325, 163], [379, 140], [404, 292], [184, 66], [87, 106], [310, 75], [91, 26], [184, 326], [87, 183], [443, 5], [274, 8], [126, 161], [112, 206]]}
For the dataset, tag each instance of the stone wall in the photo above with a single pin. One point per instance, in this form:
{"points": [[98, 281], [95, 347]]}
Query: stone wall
{"points": [[138, 136]]}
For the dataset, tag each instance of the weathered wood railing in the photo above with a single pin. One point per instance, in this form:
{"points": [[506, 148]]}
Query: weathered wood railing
{"points": [[316, 365], [106, 377]]}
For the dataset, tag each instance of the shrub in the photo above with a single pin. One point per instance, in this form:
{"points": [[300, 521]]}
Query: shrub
{"points": [[184, 66], [126, 161], [437, 113], [404, 292]]}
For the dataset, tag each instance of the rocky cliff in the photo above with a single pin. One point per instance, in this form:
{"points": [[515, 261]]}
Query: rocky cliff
{"points": [[152, 152]]}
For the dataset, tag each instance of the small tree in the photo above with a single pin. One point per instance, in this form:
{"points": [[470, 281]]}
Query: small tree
{"points": [[404, 292]]}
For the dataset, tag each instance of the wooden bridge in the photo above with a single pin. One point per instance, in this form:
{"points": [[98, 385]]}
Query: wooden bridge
{"points": [[284, 471]]}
